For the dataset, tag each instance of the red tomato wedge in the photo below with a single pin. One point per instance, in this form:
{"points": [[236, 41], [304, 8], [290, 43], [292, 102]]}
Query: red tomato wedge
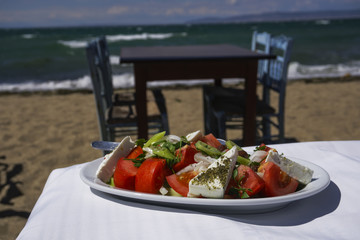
{"points": [[277, 182], [246, 178], [124, 175], [187, 157], [135, 153], [151, 175], [211, 140], [180, 183], [250, 180], [266, 148]]}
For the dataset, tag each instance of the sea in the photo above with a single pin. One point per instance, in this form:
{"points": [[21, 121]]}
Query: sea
{"points": [[47, 59]]}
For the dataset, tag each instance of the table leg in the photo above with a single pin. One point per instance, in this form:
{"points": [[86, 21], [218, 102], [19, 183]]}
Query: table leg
{"points": [[141, 105], [249, 134], [218, 82]]}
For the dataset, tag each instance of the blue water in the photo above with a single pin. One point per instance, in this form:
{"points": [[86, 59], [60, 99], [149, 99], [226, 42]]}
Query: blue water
{"points": [[52, 58]]}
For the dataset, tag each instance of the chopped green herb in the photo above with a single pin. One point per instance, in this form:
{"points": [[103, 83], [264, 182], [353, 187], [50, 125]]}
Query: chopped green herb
{"points": [[261, 147], [138, 161], [237, 190], [140, 142], [235, 173]]}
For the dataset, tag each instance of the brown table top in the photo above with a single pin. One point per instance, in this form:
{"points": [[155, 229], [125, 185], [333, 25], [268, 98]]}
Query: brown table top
{"points": [[188, 52]]}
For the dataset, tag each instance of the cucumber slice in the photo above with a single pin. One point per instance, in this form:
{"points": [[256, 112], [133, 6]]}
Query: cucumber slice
{"points": [[155, 138], [229, 144], [164, 153], [207, 149]]}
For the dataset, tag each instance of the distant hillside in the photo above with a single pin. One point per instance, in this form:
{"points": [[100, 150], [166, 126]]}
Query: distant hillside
{"points": [[282, 16]]}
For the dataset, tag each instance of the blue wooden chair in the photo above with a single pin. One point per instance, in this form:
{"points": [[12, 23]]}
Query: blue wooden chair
{"points": [[225, 106], [116, 112], [226, 97]]}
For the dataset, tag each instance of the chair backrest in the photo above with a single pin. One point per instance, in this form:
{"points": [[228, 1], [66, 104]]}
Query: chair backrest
{"points": [[278, 68], [96, 73], [261, 44], [105, 67]]}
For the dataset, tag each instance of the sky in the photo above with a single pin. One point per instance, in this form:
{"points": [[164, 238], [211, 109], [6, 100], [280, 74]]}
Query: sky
{"points": [[55, 13]]}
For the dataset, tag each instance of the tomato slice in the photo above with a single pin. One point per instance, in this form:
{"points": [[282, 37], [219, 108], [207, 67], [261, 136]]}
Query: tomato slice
{"points": [[250, 180], [124, 175], [151, 175], [277, 182], [187, 157], [211, 140], [135, 153], [264, 147], [180, 183], [247, 179]]}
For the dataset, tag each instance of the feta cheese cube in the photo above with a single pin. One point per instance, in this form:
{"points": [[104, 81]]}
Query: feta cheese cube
{"points": [[291, 168], [212, 183], [107, 166]]}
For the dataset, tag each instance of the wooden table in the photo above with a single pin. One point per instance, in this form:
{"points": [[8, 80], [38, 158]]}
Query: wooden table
{"points": [[157, 63]]}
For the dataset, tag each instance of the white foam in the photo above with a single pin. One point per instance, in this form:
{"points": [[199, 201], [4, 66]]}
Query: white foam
{"points": [[126, 80], [119, 37], [322, 22], [141, 36], [299, 71], [73, 43], [114, 60], [30, 86], [28, 36]]}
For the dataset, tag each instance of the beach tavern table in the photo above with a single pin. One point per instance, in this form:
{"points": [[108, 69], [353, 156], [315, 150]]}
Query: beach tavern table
{"points": [[157, 63]]}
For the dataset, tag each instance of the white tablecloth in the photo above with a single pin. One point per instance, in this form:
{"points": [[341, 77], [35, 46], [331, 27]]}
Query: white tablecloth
{"points": [[69, 209]]}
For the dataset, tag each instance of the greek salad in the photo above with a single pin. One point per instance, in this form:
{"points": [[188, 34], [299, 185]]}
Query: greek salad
{"points": [[200, 165]]}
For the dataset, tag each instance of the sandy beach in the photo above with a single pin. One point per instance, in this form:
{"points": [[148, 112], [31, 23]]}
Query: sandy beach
{"points": [[40, 132]]}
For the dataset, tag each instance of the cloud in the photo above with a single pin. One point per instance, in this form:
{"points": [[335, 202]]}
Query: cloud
{"points": [[231, 2], [118, 10], [203, 11], [175, 11]]}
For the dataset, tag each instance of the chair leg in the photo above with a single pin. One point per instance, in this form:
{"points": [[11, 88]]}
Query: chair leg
{"points": [[220, 123], [281, 129], [161, 104], [266, 128], [208, 119], [111, 135], [165, 123]]}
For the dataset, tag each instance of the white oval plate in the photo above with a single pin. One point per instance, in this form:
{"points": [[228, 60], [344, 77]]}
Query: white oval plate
{"points": [[320, 181]]}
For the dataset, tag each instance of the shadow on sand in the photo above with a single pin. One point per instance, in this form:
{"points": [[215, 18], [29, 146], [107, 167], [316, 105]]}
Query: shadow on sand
{"points": [[9, 188]]}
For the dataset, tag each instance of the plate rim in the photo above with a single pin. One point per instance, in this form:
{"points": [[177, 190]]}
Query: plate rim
{"points": [[321, 180]]}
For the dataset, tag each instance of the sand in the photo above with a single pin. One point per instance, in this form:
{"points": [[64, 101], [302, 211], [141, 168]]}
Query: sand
{"points": [[40, 132]]}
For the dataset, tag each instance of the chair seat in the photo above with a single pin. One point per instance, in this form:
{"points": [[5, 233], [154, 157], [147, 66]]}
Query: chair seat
{"points": [[124, 99], [232, 101], [121, 115]]}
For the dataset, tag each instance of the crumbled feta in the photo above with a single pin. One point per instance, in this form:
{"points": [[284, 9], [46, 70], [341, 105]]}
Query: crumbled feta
{"points": [[163, 190], [193, 137], [199, 157], [173, 138], [258, 156], [197, 167]]}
